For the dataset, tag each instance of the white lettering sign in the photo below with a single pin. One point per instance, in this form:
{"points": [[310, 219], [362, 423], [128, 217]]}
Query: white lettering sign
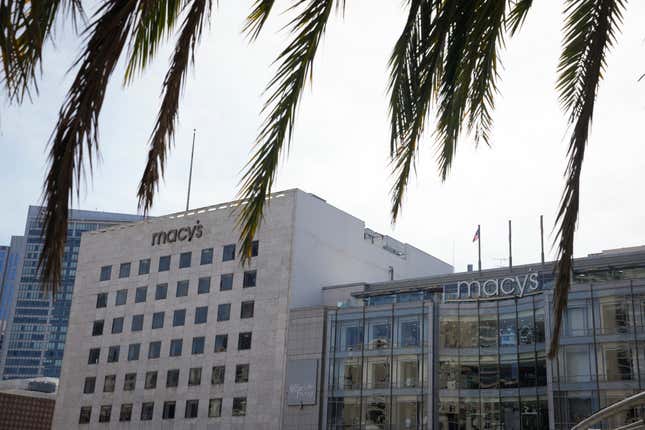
{"points": [[516, 286]]}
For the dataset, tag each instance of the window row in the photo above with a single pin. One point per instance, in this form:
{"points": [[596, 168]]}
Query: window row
{"points": [[182, 288], [185, 261], [175, 349]]}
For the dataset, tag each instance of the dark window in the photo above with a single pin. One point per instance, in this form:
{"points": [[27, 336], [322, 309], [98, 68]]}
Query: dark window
{"points": [[195, 376], [207, 256], [117, 325], [157, 320], [154, 350], [228, 252], [101, 301], [172, 378], [250, 277], [223, 312], [244, 341], [105, 413], [175, 347], [168, 411], [133, 351], [246, 311], [182, 289], [226, 282], [106, 273], [221, 341], [140, 294], [204, 285], [179, 317], [94, 356], [164, 263], [97, 328], [201, 314], [121, 297], [90, 385], [86, 414], [129, 382], [109, 383], [254, 248], [151, 380], [161, 291], [192, 407], [147, 410], [113, 354], [242, 373], [198, 345], [217, 377], [124, 270], [184, 259], [144, 266], [239, 406], [126, 412], [215, 408], [137, 322]]}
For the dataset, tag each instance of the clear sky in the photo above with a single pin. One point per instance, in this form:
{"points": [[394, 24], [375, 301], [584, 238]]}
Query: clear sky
{"points": [[340, 147]]}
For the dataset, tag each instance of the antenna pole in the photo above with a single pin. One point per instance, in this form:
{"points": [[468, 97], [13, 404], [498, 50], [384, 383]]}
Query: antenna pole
{"points": [[542, 237], [190, 174]]}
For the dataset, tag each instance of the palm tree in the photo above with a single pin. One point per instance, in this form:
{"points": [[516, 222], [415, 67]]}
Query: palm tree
{"points": [[445, 58]]}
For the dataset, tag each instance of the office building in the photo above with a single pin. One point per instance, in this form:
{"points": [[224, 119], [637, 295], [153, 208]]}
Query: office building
{"points": [[8, 276], [27, 404]]}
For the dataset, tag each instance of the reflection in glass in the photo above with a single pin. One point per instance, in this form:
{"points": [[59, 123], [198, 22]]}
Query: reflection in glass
{"points": [[525, 329], [448, 373], [379, 335], [349, 374], [618, 362], [488, 331], [530, 413], [345, 412], [378, 373], [468, 331], [405, 413], [508, 371], [490, 413], [469, 373], [528, 377], [507, 328], [488, 371], [539, 325], [576, 320], [615, 315], [409, 334], [449, 331], [377, 413], [408, 372], [469, 413], [351, 337], [448, 413], [510, 413], [576, 363]]}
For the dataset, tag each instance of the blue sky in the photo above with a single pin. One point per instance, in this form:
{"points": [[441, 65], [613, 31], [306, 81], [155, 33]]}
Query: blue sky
{"points": [[340, 146]]}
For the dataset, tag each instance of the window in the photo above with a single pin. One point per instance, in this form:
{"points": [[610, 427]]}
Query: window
{"points": [[182, 289], [201, 314], [106, 273], [161, 291], [221, 341], [214, 408], [168, 411], [90, 385], [105, 413], [97, 328], [164, 263], [175, 347], [129, 382], [195, 376], [126, 412], [239, 406], [137, 322], [133, 351], [223, 312], [140, 294], [101, 302], [121, 297], [254, 248], [184, 259], [207, 256], [113, 354], [179, 317], [244, 341], [157, 320], [94, 356], [109, 383], [204, 285], [151, 380], [217, 377], [246, 311], [172, 378], [147, 410], [192, 407], [226, 282], [154, 350], [117, 325], [124, 270], [198, 345], [249, 279], [228, 253], [242, 373], [144, 266], [86, 414]]}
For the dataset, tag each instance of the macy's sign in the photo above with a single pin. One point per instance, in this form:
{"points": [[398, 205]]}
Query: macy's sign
{"points": [[513, 286]]}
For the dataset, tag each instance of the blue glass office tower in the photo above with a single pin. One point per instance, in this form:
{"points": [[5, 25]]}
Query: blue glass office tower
{"points": [[10, 257], [35, 335]]}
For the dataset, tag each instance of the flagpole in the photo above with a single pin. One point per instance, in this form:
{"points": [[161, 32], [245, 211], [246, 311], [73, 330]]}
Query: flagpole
{"points": [[510, 246], [479, 247], [542, 237], [190, 174]]}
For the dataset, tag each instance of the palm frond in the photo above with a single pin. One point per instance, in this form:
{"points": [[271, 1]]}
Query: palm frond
{"points": [[590, 31], [518, 14], [76, 134], [257, 18], [163, 133], [296, 62]]}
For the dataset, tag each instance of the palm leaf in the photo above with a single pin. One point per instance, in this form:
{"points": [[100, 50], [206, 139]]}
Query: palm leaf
{"points": [[257, 18], [518, 15]]}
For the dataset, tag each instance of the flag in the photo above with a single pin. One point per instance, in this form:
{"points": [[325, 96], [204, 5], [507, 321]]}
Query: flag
{"points": [[476, 236]]}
